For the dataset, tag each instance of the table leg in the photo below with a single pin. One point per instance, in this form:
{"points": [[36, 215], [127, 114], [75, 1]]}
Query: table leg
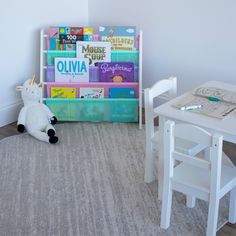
{"points": [[149, 162], [160, 173]]}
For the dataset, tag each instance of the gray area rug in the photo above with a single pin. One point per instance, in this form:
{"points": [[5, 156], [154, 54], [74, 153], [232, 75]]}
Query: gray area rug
{"points": [[90, 183]]}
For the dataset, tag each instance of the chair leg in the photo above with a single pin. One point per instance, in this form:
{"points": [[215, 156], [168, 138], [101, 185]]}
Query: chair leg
{"points": [[212, 217], [190, 201], [160, 166], [232, 206], [149, 164], [166, 206], [160, 173]]}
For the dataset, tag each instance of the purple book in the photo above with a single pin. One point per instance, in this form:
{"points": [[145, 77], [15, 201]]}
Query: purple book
{"points": [[116, 72]]}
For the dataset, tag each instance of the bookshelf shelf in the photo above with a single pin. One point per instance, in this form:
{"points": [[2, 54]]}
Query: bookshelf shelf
{"points": [[95, 110]]}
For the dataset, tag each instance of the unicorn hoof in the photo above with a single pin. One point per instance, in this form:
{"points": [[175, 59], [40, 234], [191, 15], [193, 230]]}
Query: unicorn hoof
{"points": [[20, 128], [53, 120], [51, 133], [53, 139]]}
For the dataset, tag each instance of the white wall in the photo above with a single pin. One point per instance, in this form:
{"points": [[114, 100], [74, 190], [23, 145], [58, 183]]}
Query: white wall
{"points": [[20, 22], [194, 40]]}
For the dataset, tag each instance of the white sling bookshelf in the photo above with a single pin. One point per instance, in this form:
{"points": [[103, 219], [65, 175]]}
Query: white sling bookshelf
{"points": [[83, 106]]}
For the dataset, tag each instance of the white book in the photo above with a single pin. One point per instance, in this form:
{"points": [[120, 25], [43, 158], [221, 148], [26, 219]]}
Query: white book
{"points": [[71, 70], [94, 51], [91, 93]]}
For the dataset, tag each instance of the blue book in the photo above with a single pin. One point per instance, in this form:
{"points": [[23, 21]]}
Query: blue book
{"points": [[121, 37], [121, 92]]}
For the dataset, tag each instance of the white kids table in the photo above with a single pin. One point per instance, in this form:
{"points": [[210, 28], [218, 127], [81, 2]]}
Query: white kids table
{"points": [[225, 127]]}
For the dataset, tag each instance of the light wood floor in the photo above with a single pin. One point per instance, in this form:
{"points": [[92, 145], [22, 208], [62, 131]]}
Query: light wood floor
{"points": [[229, 149]]}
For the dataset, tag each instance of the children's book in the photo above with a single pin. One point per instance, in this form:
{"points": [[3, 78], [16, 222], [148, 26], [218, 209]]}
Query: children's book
{"points": [[94, 51], [54, 44], [63, 92], [88, 31], [91, 93], [65, 38], [88, 34], [121, 37], [121, 92], [54, 32], [116, 71], [71, 70], [68, 36]]}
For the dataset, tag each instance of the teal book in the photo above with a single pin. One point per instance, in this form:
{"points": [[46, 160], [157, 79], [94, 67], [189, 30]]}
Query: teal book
{"points": [[121, 92]]}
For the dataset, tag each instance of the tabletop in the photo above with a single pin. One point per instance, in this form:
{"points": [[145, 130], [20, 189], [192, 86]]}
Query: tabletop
{"points": [[225, 127]]}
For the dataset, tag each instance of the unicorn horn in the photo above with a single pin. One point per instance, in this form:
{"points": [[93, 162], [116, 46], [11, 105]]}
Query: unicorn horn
{"points": [[32, 80]]}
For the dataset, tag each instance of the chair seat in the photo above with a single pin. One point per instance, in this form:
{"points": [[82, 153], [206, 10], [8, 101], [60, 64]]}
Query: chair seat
{"points": [[199, 179], [183, 146]]}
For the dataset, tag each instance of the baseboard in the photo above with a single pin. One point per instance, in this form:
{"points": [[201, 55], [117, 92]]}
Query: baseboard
{"points": [[10, 112]]}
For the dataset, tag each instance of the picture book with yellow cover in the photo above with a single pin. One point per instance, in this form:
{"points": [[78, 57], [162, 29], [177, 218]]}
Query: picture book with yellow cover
{"points": [[63, 92]]}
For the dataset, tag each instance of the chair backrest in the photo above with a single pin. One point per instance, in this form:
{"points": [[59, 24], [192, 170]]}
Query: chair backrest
{"points": [[166, 86], [199, 136]]}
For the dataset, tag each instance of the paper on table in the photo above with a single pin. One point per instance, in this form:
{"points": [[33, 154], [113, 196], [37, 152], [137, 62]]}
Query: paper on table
{"points": [[222, 94], [213, 109]]}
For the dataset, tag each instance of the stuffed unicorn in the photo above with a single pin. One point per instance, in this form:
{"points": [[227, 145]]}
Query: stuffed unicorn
{"points": [[35, 117]]}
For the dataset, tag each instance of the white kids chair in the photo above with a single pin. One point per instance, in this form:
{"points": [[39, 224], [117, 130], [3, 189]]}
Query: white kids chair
{"points": [[208, 180], [163, 89]]}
